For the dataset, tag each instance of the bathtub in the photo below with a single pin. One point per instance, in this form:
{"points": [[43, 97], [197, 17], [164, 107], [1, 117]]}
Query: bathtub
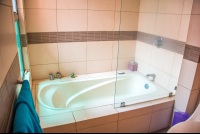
{"points": [[79, 94]]}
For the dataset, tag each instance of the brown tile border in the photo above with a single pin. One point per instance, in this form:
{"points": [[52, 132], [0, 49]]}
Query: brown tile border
{"points": [[192, 53], [7, 94], [168, 44], [85, 36], [23, 40]]}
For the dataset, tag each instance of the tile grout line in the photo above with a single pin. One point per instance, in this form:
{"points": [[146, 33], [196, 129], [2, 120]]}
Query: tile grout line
{"points": [[75, 122], [1, 4], [98, 125], [187, 88], [113, 37], [145, 113], [82, 61], [57, 34], [151, 120], [181, 20], [86, 42]]}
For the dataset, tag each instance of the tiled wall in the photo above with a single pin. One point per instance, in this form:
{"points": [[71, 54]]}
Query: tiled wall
{"points": [[9, 63], [169, 19], [189, 82], [23, 35], [79, 35]]}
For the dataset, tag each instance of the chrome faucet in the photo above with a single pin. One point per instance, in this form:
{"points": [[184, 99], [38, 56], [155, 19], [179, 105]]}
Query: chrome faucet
{"points": [[151, 75]]}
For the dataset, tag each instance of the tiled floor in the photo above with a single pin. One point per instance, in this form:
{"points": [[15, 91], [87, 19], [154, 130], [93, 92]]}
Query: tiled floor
{"points": [[162, 131]]}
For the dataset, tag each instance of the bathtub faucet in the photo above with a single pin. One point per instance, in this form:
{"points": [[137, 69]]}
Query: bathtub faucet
{"points": [[151, 75]]}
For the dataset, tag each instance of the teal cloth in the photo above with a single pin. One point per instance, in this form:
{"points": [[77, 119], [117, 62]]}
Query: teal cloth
{"points": [[26, 119]]}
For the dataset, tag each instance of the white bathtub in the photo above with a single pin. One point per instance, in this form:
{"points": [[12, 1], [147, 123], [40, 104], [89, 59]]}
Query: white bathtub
{"points": [[93, 92]]}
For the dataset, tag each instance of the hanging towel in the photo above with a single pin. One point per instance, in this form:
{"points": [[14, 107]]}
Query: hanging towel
{"points": [[26, 119]]}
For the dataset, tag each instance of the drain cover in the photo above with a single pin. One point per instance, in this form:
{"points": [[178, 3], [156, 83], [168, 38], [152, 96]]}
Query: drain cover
{"points": [[146, 86]]}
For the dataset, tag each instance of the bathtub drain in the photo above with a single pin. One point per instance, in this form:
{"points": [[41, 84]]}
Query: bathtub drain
{"points": [[146, 86]]}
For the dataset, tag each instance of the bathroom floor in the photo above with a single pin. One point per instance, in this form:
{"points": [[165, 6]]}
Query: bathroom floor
{"points": [[165, 130]]}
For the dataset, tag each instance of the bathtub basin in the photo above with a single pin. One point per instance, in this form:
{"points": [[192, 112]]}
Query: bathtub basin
{"points": [[93, 92]]}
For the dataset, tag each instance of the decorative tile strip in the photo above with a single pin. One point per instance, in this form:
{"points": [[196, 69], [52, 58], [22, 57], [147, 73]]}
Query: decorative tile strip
{"points": [[192, 53], [61, 37], [168, 44]]}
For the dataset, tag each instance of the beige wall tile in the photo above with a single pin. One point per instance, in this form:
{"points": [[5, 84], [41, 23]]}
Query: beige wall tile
{"points": [[149, 6], [126, 49], [195, 9], [43, 53], [118, 5], [99, 66], [8, 47], [198, 102], [182, 98], [140, 123], [129, 21], [117, 22], [184, 27], [178, 59], [135, 110], [21, 21], [162, 78], [194, 31], [122, 63], [171, 6], [131, 5], [43, 71], [20, 4], [100, 20], [6, 2], [72, 52], [107, 128], [3, 73], [71, 4], [60, 123], [160, 120], [99, 50], [162, 104], [40, 20], [44, 4], [144, 52], [143, 67], [196, 83], [128, 5], [187, 9], [79, 68], [161, 61], [147, 22], [167, 28], [95, 116], [78, 20], [26, 58], [192, 101], [101, 4], [187, 74]]}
